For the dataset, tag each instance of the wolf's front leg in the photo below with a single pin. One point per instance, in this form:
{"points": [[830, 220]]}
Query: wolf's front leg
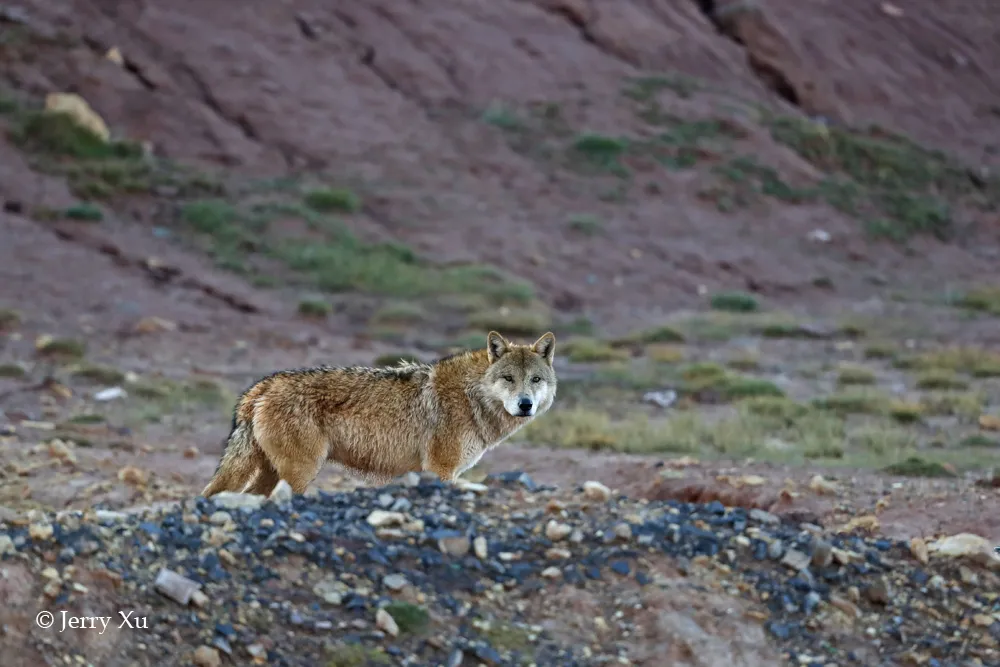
{"points": [[444, 457]]}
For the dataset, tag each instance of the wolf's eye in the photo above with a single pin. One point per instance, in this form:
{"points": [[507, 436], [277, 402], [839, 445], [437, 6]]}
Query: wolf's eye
{"points": [[508, 378], [536, 379]]}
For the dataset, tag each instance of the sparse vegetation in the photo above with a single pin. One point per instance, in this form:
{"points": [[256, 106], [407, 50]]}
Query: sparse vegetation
{"points": [[9, 318], [982, 299], [734, 302], [940, 379], [84, 212], [916, 466], [410, 618], [12, 371], [343, 654], [98, 373], [68, 348], [333, 200], [341, 262], [899, 188], [589, 350], [314, 308], [587, 224], [855, 375], [512, 321]]}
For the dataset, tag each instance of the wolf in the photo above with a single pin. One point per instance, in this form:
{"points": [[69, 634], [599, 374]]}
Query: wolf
{"points": [[380, 423]]}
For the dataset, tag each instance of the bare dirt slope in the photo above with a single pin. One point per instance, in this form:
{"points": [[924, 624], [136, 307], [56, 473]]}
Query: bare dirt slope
{"points": [[314, 182]]}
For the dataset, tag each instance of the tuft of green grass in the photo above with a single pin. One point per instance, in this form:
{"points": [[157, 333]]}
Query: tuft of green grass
{"points": [[343, 654], [501, 116], [589, 350], [715, 382], [906, 412], [967, 405], [9, 318], [58, 134], [979, 440], [780, 408], [507, 636], [332, 200], [511, 322], [12, 371], [62, 347], [940, 379], [85, 212], [314, 308], [854, 401], [981, 299], [659, 334], [916, 466], [98, 373], [880, 350], [734, 302], [975, 361], [410, 618], [601, 152], [855, 375], [585, 223]]}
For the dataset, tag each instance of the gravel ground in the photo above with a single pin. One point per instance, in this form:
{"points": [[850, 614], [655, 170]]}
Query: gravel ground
{"points": [[420, 573]]}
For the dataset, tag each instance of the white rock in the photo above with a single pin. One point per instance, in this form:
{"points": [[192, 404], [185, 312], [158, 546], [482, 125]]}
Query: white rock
{"points": [[386, 623], [382, 518], [596, 491]]}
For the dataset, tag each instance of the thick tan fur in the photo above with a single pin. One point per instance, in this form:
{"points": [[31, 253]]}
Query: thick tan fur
{"points": [[380, 423]]}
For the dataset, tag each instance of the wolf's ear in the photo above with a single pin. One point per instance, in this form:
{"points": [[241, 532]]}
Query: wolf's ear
{"points": [[546, 346], [496, 346]]}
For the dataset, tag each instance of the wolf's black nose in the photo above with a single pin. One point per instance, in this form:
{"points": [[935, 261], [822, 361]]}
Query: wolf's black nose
{"points": [[524, 404]]}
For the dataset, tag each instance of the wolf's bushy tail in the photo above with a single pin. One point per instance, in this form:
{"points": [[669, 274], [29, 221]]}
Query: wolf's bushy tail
{"points": [[239, 462]]}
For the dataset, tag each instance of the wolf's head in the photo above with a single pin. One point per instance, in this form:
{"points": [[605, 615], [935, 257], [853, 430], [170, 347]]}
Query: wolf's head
{"points": [[521, 376]]}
